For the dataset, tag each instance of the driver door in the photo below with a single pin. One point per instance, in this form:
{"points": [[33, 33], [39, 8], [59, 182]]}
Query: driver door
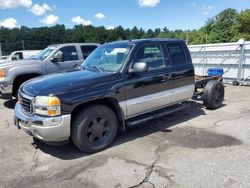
{"points": [[69, 60], [152, 89]]}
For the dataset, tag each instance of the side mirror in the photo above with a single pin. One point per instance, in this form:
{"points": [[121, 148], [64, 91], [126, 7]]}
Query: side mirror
{"points": [[139, 67], [57, 58]]}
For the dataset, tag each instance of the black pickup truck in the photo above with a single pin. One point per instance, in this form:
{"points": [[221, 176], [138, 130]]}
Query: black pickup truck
{"points": [[120, 84]]}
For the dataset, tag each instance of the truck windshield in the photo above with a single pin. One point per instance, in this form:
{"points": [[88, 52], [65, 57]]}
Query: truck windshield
{"points": [[108, 57], [9, 56], [45, 53]]}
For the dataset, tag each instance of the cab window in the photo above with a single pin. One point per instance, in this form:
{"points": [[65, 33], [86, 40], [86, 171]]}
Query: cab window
{"points": [[17, 56], [152, 55], [68, 53], [177, 54]]}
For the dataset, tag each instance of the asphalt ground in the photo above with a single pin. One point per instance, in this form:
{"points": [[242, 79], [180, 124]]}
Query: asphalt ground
{"points": [[194, 147]]}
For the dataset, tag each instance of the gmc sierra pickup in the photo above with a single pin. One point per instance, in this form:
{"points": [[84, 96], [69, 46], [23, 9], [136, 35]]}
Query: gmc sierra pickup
{"points": [[120, 84], [55, 58]]}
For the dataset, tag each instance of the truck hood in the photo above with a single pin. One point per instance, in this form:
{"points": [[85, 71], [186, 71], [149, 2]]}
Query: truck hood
{"points": [[10, 64], [3, 60], [60, 82]]}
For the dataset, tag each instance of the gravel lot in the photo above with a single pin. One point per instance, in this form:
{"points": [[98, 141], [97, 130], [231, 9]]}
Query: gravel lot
{"points": [[191, 148]]}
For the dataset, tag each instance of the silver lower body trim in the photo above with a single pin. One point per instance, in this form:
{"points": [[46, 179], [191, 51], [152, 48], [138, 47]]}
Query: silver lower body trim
{"points": [[183, 93], [148, 103], [51, 129]]}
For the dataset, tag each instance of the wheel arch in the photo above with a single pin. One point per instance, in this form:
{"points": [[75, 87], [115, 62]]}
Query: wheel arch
{"points": [[22, 78], [110, 102]]}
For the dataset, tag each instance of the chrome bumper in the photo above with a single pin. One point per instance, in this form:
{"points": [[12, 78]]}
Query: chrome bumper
{"points": [[50, 129], [5, 88]]}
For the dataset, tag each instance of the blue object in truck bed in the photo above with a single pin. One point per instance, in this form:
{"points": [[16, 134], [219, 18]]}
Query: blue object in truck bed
{"points": [[215, 72]]}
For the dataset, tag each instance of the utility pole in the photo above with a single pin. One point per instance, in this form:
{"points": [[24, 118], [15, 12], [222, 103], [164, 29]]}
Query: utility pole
{"points": [[1, 50], [23, 45]]}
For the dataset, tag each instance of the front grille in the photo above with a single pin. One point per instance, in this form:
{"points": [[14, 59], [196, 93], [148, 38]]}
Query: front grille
{"points": [[25, 101]]}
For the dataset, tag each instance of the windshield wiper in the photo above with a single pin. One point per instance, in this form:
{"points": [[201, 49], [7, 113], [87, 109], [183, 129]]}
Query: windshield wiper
{"points": [[97, 68]]}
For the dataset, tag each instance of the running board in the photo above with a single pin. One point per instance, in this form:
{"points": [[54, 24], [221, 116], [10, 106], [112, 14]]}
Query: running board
{"points": [[157, 114]]}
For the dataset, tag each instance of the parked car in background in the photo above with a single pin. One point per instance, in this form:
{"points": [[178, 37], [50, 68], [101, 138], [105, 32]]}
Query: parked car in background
{"points": [[55, 58], [3, 57], [19, 55], [120, 85]]}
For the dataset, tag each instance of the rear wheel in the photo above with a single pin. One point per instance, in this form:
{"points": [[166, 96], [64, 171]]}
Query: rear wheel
{"points": [[235, 83], [94, 128], [213, 94]]}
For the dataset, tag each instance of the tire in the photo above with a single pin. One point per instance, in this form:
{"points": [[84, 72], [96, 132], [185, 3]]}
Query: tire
{"points": [[16, 88], [235, 83], [213, 94], [15, 91], [19, 81], [94, 128]]}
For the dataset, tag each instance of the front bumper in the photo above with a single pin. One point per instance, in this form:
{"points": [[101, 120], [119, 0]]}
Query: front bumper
{"points": [[5, 88], [50, 129]]}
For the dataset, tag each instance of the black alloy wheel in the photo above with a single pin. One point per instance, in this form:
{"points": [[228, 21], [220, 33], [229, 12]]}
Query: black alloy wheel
{"points": [[218, 95], [213, 94], [98, 130], [94, 128]]}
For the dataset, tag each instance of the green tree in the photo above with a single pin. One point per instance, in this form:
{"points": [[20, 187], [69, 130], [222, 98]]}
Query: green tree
{"points": [[228, 25], [220, 28], [242, 29]]}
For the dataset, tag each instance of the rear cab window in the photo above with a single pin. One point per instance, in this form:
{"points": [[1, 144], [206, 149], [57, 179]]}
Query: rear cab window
{"points": [[177, 54], [87, 50]]}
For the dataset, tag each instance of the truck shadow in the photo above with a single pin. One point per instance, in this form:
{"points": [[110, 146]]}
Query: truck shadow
{"points": [[69, 151], [10, 103]]}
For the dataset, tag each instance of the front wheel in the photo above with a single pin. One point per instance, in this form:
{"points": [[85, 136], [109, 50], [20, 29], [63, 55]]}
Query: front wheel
{"points": [[94, 128], [213, 94]]}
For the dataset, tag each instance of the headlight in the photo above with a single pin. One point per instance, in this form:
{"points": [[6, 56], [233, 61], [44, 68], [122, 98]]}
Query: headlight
{"points": [[2, 73], [47, 106]]}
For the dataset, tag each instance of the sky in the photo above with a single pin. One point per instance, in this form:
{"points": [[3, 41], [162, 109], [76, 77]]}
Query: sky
{"points": [[146, 14]]}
